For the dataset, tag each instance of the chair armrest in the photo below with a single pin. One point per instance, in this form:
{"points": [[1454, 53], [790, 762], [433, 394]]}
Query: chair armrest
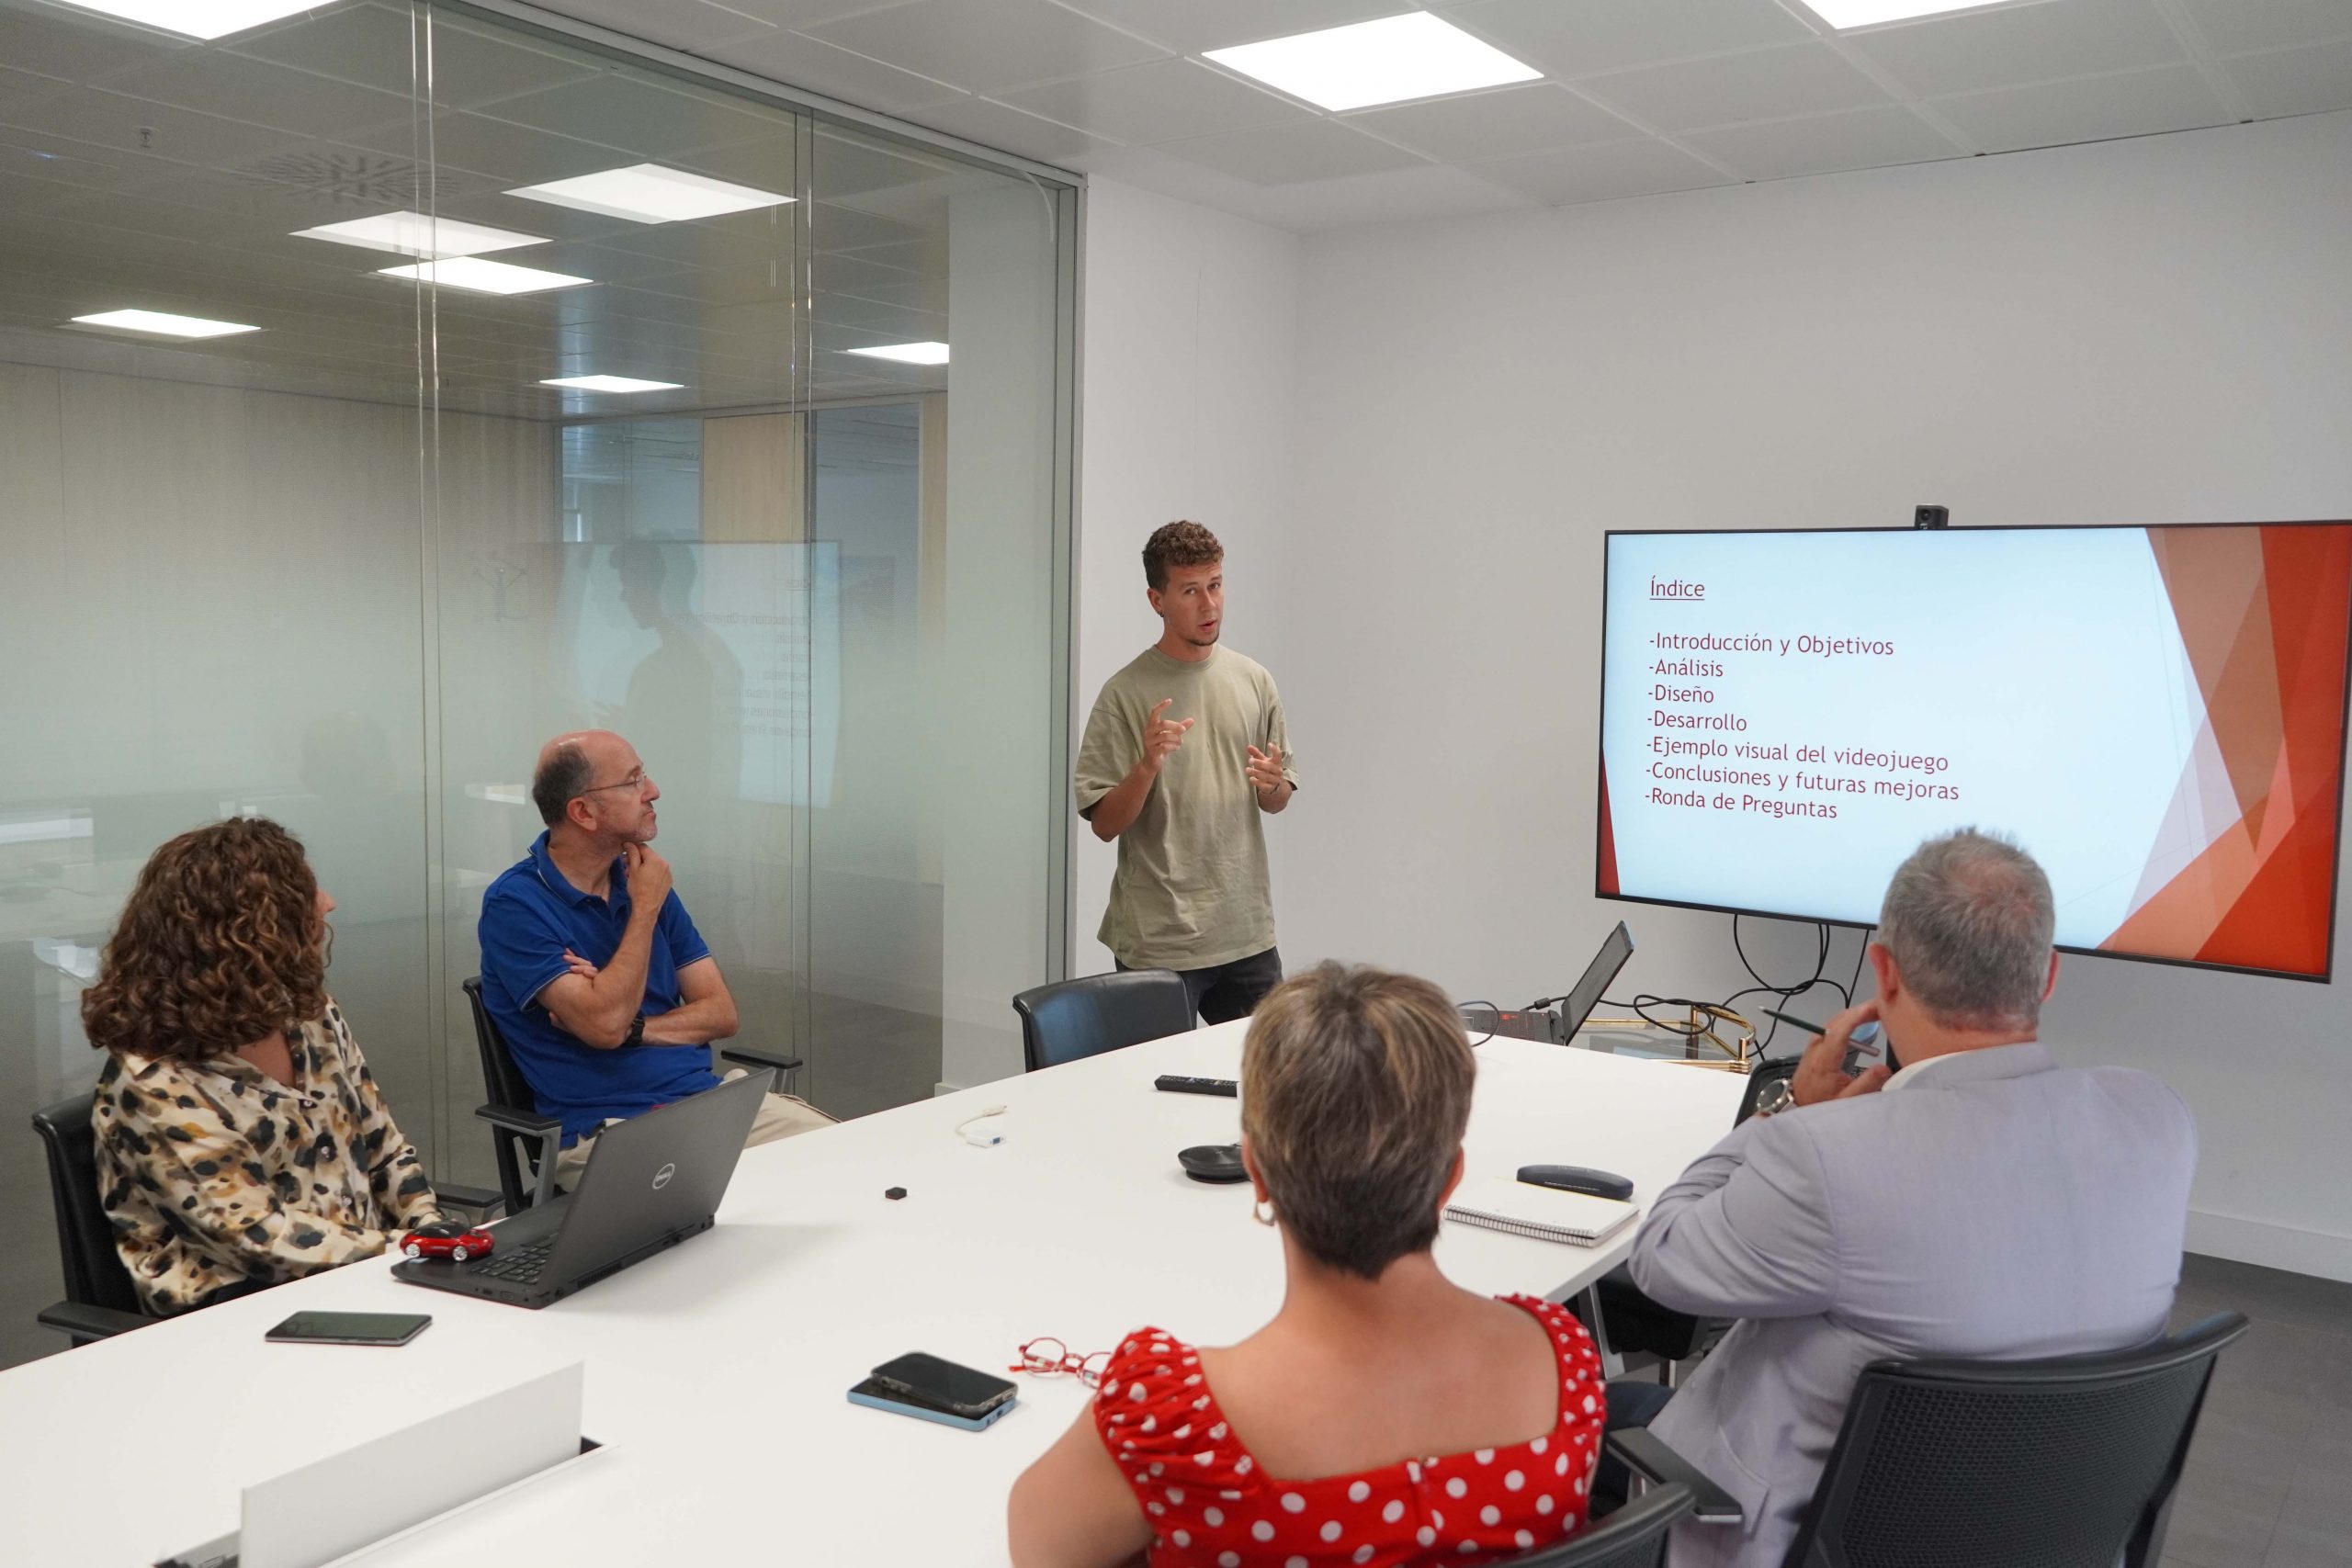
{"points": [[1650, 1458], [548, 1130], [530, 1123], [750, 1057], [480, 1199], [83, 1322]]}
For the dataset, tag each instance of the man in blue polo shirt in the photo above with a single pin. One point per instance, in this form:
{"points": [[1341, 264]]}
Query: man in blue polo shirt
{"points": [[608, 996]]}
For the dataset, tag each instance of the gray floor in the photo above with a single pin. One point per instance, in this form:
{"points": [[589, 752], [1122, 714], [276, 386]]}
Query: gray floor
{"points": [[2269, 1480]]}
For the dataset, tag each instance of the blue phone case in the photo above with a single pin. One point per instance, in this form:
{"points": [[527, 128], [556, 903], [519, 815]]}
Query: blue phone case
{"points": [[859, 1396]]}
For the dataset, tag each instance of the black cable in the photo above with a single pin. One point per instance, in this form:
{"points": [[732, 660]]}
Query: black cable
{"points": [[1466, 1007]]}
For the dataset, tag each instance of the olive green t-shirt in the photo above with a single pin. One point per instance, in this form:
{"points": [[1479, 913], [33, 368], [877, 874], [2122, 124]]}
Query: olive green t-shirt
{"points": [[1191, 891]]}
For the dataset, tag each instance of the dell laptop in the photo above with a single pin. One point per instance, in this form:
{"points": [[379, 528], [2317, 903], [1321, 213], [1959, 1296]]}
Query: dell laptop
{"points": [[651, 1183]]}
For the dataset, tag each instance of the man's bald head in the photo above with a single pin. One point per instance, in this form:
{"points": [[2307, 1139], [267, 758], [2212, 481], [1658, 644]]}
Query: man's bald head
{"points": [[567, 766]]}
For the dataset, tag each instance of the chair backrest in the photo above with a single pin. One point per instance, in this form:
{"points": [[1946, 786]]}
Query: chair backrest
{"points": [[1633, 1536], [94, 1272], [504, 1083], [2065, 1462], [1076, 1019]]}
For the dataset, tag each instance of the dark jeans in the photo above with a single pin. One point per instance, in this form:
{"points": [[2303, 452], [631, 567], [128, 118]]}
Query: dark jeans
{"points": [[1227, 991], [1631, 1404]]}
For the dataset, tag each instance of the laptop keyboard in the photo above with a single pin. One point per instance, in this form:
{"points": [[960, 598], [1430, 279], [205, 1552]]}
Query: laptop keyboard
{"points": [[522, 1266]]}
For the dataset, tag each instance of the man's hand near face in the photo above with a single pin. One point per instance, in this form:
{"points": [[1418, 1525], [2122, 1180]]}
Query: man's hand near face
{"points": [[1821, 1071]]}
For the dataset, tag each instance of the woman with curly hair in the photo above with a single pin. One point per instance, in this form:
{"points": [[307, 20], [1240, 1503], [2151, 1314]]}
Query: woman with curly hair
{"points": [[241, 1139]]}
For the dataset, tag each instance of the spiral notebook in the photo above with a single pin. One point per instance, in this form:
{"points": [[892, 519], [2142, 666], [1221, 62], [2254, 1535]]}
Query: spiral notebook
{"points": [[1545, 1213]]}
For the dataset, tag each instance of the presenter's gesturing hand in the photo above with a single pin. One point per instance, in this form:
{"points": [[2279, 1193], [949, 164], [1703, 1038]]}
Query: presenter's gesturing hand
{"points": [[1162, 735], [1821, 1071], [1265, 769]]}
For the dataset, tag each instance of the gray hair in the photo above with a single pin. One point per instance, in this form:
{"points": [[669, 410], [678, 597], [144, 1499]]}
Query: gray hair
{"points": [[1969, 919], [559, 782]]}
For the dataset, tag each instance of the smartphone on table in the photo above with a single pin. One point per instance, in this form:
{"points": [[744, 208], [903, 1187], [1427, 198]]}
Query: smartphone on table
{"points": [[349, 1328], [931, 1389]]}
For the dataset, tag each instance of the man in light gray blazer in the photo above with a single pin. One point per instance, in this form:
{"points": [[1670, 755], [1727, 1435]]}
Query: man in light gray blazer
{"points": [[1982, 1200]]}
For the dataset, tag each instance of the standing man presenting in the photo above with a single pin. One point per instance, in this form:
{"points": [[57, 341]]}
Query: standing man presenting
{"points": [[1186, 748]]}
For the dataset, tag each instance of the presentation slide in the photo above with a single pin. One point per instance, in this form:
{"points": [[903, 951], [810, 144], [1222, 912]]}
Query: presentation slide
{"points": [[2157, 715]]}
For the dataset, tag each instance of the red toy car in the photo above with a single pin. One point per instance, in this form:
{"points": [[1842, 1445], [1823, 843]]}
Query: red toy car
{"points": [[448, 1238]]}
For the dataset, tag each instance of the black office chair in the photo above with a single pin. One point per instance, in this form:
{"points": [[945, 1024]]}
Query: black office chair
{"points": [[100, 1301], [1633, 1536], [521, 1140], [1072, 1019], [1636, 1324], [2065, 1462]]}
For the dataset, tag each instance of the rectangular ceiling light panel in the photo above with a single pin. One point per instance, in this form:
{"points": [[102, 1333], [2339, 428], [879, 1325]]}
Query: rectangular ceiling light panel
{"points": [[611, 384], [1845, 14], [478, 276], [906, 353], [163, 324], [414, 234], [198, 19], [647, 193], [1387, 62]]}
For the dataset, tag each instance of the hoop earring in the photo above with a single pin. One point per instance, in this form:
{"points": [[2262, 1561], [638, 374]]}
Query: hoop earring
{"points": [[1263, 1212]]}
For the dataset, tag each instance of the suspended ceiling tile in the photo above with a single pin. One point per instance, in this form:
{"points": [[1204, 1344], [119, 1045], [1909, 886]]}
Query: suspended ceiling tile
{"points": [[373, 46], [260, 92], [78, 47], [155, 130], [1531, 119], [1579, 37], [987, 46], [2014, 45], [1014, 131], [695, 27], [1765, 83], [1820, 144], [1161, 101], [1600, 174], [1193, 27], [643, 119], [816, 66], [2309, 79], [495, 153], [1287, 155], [1393, 195], [2239, 27], [2137, 103], [837, 228]]}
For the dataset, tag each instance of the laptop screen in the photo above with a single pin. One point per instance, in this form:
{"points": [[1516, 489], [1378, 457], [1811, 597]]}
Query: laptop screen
{"points": [[1585, 995]]}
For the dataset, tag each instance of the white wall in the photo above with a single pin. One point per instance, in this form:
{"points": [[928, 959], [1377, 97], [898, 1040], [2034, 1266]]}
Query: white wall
{"points": [[2136, 332], [1190, 409]]}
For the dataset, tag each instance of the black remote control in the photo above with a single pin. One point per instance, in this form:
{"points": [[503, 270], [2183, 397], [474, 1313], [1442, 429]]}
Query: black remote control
{"points": [[1170, 1083]]}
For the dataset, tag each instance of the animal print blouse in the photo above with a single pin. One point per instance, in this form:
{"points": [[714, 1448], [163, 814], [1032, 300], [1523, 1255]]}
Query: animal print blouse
{"points": [[217, 1176]]}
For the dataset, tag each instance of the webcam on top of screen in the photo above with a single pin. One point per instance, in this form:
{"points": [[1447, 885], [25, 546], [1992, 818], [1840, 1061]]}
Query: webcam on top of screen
{"points": [[1931, 517]]}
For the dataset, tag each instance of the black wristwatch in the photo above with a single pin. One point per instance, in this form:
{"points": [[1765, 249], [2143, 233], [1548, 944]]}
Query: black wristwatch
{"points": [[636, 1035]]}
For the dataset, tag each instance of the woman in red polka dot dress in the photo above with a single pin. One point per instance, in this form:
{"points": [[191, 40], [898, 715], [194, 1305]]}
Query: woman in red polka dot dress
{"points": [[1385, 1415]]}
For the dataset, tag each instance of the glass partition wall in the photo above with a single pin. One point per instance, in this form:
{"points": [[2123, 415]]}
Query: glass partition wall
{"points": [[544, 386]]}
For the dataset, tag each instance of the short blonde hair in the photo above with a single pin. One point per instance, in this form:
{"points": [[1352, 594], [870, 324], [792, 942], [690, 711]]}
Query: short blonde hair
{"points": [[1355, 1089]]}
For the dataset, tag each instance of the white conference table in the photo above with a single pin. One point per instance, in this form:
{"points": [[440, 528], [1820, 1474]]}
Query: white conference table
{"points": [[717, 1371]]}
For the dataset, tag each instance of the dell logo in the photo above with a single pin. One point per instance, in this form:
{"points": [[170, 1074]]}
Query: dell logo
{"points": [[661, 1176]]}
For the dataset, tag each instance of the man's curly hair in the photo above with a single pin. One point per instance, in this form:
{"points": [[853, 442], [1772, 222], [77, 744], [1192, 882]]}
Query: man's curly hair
{"points": [[220, 944], [1178, 544]]}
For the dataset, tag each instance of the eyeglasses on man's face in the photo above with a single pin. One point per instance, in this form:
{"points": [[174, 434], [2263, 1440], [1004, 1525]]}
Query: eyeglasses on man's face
{"points": [[635, 783]]}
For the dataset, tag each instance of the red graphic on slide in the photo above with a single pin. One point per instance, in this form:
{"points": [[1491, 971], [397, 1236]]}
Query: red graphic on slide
{"points": [[2262, 615], [1607, 840]]}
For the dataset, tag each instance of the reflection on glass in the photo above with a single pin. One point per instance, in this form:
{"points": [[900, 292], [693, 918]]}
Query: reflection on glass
{"points": [[352, 567]]}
